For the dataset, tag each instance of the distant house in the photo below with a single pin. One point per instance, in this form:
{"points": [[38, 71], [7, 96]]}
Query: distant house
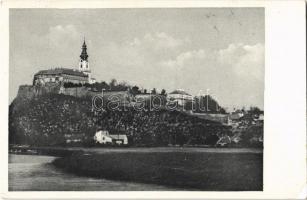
{"points": [[103, 137], [223, 141], [236, 115], [260, 117], [120, 139], [179, 96]]}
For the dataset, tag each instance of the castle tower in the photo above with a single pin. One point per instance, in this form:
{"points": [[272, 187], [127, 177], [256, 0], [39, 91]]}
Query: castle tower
{"points": [[83, 63]]}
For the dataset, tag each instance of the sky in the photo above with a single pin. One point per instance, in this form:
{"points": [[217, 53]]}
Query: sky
{"points": [[200, 50]]}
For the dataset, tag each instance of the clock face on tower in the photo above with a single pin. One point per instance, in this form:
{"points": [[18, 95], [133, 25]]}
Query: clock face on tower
{"points": [[84, 65]]}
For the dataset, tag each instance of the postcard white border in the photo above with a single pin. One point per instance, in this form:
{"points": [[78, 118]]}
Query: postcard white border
{"points": [[285, 99]]}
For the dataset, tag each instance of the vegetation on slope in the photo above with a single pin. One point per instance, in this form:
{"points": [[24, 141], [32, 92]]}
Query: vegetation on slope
{"points": [[51, 119]]}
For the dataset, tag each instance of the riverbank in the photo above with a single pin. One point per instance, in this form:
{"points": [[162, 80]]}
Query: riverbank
{"points": [[189, 169], [64, 151]]}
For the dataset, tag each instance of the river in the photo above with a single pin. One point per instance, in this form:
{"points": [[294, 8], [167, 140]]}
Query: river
{"points": [[36, 173]]}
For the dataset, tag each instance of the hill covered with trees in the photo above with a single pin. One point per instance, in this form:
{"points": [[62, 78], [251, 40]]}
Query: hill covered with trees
{"points": [[52, 120]]}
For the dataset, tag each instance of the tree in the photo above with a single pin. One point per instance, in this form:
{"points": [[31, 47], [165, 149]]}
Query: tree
{"points": [[255, 110], [154, 91], [100, 86], [135, 90], [207, 104], [122, 86], [104, 85], [163, 92], [113, 83]]}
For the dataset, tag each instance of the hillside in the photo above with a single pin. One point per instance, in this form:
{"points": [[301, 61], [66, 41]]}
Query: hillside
{"points": [[52, 120], [46, 120]]}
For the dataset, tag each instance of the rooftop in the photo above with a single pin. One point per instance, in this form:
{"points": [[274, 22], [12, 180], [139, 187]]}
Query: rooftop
{"points": [[58, 71], [118, 137], [179, 91]]}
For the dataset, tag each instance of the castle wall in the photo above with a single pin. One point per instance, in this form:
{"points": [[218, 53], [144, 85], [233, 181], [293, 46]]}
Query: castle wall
{"points": [[30, 91], [26, 91], [79, 92]]}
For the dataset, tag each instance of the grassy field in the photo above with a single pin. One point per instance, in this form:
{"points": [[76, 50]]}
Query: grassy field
{"points": [[188, 170]]}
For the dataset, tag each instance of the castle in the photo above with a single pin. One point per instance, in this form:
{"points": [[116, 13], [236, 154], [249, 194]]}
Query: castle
{"points": [[64, 75]]}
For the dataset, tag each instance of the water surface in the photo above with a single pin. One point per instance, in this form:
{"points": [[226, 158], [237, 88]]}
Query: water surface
{"points": [[36, 173]]}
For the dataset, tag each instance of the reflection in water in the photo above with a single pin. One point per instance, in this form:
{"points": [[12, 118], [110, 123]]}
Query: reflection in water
{"points": [[35, 173]]}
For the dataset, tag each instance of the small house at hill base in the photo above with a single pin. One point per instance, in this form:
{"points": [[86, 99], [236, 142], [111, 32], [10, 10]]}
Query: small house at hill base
{"points": [[103, 137]]}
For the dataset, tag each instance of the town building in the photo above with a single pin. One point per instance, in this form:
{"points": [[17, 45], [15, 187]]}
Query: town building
{"points": [[103, 137], [179, 96], [81, 75], [119, 139], [59, 75]]}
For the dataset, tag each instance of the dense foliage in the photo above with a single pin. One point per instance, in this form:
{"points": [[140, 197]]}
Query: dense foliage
{"points": [[45, 121], [52, 119], [160, 128]]}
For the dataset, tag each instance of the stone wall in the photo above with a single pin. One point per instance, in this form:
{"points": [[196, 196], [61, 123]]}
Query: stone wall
{"points": [[222, 118], [30, 91], [79, 92]]}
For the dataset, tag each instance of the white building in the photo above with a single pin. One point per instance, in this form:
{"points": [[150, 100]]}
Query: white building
{"points": [[103, 137], [66, 75], [179, 96], [119, 139]]}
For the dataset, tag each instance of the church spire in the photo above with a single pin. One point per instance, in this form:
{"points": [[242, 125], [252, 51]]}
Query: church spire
{"points": [[84, 55], [83, 63]]}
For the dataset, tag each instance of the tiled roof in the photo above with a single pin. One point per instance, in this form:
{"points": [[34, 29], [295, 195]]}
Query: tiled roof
{"points": [[118, 137], [182, 92], [59, 71]]}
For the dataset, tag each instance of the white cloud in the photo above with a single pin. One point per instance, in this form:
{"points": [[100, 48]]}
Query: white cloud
{"points": [[166, 41], [60, 46], [246, 60], [184, 57], [123, 55], [158, 41], [141, 52], [243, 60], [235, 74], [63, 35]]}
